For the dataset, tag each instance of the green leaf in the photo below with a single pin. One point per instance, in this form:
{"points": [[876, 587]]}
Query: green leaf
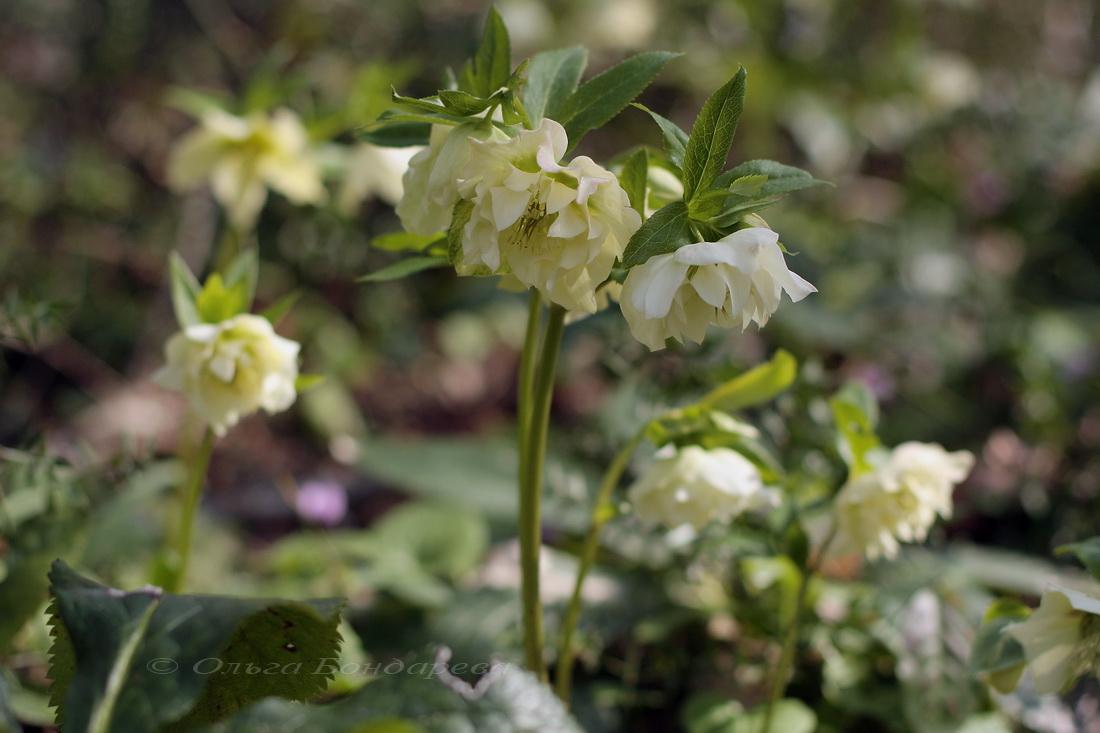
{"points": [[506, 700], [1086, 551], [780, 178], [150, 660], [676, 140], [8, 723], [604, 96], [712, 135], [404, 268], [278, 310], [446, 539], [217, 302], [489, 68], [406, 241], [995, 654], [306, 382], [459, 217], [633, 179], [712, 713], [758, 385], [551, 78], [243, 272], [397, 134], [855, 411], [462, 103], [185, 291], [666, 231]]}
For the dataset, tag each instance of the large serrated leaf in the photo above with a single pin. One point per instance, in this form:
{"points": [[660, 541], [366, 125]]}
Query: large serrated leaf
{"points": [[510, 701], [666, 231], [604, 96], [780, 178], [551, 78], [184, 660], [712, 134]]}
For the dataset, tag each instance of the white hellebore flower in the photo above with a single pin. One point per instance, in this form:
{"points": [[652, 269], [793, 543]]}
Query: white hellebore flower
{"points": [[899, 499], [557, 228], [1054, 638], [431, 180], [695, 486], [230, 369], [374, 170], [734, 281], [244, 156]]}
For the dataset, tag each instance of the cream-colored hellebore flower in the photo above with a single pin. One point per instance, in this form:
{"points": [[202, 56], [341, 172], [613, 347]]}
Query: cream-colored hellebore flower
{"points": [[230, 369], [556, 228], [431, 181], [1054, 638], [374, 170], [734, 281], [244, 156], [899, 499], [696, 486]]}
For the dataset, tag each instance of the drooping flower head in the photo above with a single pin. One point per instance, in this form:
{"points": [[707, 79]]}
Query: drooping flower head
{"points": [[431, 181], [734, 281], [1053, 638], [230, 369], [899, 499], [242, 157], [557, 228], [695, 486]]}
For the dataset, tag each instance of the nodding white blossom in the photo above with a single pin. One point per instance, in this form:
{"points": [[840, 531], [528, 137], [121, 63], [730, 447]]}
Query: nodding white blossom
{"points": [[557, 228], [696, 486], [242, 157], [374, 170], [734, 281], [899, 499], [431, 181], [230, 369], [1059, 638]]}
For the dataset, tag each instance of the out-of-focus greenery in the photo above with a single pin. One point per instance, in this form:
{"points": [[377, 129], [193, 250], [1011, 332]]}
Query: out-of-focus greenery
{"points": [[956, 259]]}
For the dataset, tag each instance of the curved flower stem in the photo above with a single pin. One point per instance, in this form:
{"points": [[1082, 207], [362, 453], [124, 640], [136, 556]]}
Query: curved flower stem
{"points": [[534, 413], [192, 492], [601, 512], [790, 640]]}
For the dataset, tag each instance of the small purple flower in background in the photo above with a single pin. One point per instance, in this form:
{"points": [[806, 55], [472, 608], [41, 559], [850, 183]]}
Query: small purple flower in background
{"points": [[321, 502]]}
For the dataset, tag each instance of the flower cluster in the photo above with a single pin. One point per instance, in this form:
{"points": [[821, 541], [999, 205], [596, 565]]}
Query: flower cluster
{"points": [[695, 486], [230, 369], [899, 499]]}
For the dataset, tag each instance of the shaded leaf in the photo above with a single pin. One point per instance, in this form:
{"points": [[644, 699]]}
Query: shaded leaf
{"points": [[487, 71], [185, 291], [396, 135], [404, 268], [406, 241], [712, 134], [633, 179], [551, 78], [675, 138], [855, 411], [780, 178], [1086, 551], [666, 231]]}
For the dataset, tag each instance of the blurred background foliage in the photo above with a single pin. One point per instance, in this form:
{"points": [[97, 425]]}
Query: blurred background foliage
{"points": [[956, 257]]}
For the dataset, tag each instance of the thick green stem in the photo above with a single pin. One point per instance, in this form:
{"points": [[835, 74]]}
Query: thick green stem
{"points": [[790, 640], [534, 426], [192, 493], [601, 512]]}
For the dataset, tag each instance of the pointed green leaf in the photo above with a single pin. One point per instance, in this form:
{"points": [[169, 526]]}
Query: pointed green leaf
{"points": [[675, 139], [244, 270], [406, 241], [306, 382], [664, 232], [185, 290], [551, 78], [712, 134], [1087, 552], [217, 303], [855, 411], [424, 105], [780, 178], [150, 660], [278, 310], [633, 179], [489, 68], [604, 96], [463, 104], [404, 268], [756, 386], [396, 135]]}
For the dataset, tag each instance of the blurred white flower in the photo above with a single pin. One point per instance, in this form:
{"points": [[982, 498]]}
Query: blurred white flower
{"points": [[244, 156], [374, 170], [1052, 637], [899, 499], [734, 281], [230, 369], [556, 228], [695, 486], [431, 180]]}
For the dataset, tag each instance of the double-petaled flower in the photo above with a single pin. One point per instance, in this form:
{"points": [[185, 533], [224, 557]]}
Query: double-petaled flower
{"points": [[242, 157], [734, 281], [557, 228]]}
